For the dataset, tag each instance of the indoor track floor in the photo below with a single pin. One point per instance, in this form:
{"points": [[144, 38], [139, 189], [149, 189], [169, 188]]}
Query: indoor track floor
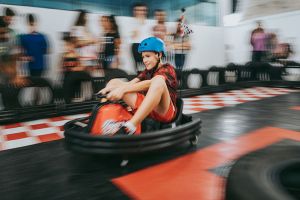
{"points": [[35, 165]]}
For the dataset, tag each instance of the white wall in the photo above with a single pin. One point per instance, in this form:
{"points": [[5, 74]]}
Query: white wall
{"points": [[238, 36], [207, 42], [207, 47], [224, 8]]}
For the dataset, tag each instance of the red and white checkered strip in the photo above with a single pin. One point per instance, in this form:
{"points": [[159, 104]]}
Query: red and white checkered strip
{"points": [[34, 132], [230, 98]]}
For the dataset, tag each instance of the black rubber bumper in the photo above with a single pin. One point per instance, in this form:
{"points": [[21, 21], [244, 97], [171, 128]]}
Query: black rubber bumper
{"points": [[79, 141]]}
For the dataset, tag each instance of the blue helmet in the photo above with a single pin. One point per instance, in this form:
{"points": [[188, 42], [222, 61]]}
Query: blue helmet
{"points": [[152, 44]]}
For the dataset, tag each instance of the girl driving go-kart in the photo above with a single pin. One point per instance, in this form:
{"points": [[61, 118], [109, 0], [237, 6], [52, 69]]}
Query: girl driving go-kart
{"points": [[150, 97], [151, 94]]}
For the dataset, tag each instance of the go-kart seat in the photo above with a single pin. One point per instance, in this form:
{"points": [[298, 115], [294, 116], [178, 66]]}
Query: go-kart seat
{"points": [[177, 120], [149, 124]]}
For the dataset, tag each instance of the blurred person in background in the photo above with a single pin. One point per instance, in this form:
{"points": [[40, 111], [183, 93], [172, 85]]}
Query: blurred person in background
{"points": [[160, 29], [34, 47], [277, 50], [110, 42], [85, 41], [258, 42], [8, 17], [7, 42], [74, 72], [140, 31], [180, 44], [8, 56], [271, 44], [282, 51], [10, 82]]}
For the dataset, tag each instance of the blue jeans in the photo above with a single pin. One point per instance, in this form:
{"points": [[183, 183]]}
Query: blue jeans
{"points": [[179, 61]]}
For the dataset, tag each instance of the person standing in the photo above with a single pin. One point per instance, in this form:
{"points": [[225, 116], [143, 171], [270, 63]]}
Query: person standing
{"points": [[85, 41], [34, 47], [160, 29], [10, 82], [258, 42], [8, 18], [140, 31], [7, 42], [74, 73], [110, 42], [180, 44]]}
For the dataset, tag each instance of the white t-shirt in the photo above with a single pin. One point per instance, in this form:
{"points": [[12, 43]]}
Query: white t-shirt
{"points": [[144, 30], [88, 52]]}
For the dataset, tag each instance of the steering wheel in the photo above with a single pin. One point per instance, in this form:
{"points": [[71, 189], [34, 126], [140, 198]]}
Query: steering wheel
{"points": [[102, 98]]}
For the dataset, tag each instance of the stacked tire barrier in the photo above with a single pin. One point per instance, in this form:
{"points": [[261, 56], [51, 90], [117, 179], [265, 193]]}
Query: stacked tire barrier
{"points": [[40, 99], [263, 71], [194, 79], [291, 73], [37, 94], [231, 73], [192, 82], [216, 76], [246, 72]]}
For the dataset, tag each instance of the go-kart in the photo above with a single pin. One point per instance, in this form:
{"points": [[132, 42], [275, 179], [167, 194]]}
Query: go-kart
{"points": [[155, 135]]}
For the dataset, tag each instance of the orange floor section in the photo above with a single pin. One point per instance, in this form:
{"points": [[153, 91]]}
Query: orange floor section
{"points": [[295, 108], [188, 177]]}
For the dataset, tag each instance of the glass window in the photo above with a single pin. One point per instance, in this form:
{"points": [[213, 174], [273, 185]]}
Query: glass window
{"points": [[65, 4], [197, 11], [13, 2]]}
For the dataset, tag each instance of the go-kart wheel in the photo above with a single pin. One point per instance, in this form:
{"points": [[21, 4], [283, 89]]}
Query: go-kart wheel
{"points": [[194, 140]]}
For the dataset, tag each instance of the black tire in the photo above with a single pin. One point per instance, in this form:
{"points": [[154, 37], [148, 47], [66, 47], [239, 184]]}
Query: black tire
{"points": [[231, 73], [76, 139], [266, 174], [194, 140], [44, 91], [202, 76]]}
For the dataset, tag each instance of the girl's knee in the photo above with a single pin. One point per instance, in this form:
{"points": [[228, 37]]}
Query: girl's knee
{"points": [[158, 82]]}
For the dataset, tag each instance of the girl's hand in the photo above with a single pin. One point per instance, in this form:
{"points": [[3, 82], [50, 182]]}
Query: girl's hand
{"points": [[116, 94], [106, 90]]}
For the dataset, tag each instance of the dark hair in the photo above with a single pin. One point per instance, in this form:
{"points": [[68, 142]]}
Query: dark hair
{"points": [[9, 12], [67, 37], [112, 20], [81, 21], [138, 4], [31, 19], [2, 23], [159, 10]]}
